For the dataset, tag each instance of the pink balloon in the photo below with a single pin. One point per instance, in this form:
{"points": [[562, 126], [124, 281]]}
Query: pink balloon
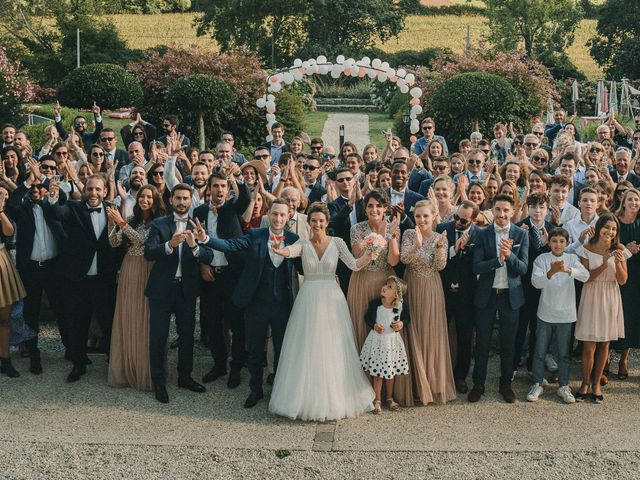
{"points": [[394, 79], [415, 101], [274, 79], [361, 72], [271, 110]]}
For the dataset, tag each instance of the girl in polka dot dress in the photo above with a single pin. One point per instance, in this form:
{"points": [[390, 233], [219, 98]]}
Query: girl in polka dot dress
{"points": [[383, 353]]}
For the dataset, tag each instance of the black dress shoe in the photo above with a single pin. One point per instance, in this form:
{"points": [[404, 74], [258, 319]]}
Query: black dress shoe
{"points": [[252, 399], [476, 393], [7, 369], [161, 393], [234, 379], [191, 384], [214, 374], [35, 364], [461, 386], [270, 378], [76, 372]]}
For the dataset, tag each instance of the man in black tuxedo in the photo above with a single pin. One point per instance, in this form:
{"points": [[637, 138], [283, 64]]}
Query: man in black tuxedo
{"points": [[538, 229], [38, 241], [313, 190], [88, 264], [221, 219], [264, 289], [622, 170], [345, 212], [172, 288], [458, 282], [499, 260]]}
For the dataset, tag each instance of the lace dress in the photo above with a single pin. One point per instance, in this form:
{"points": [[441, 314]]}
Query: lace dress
{"points": [[365, 284], [319, 375], [429, 355], [129, 357]]}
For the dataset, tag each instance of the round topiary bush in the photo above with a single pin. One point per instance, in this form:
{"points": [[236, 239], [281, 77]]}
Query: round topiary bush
{"points": [[109, 85], [202, 95], [471, 100]]}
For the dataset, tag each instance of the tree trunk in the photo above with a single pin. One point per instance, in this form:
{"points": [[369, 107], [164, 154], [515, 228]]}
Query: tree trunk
{"points": [[201, 124]]}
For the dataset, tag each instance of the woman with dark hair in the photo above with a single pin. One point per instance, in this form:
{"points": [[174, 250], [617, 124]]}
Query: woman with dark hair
{"points": [[96, 159], [129, 357], [319, 375], [618, 192], [345, 150], [11, 288], [477, 194], [10, 168], [629, 217], [600, 314], [155, 177]]}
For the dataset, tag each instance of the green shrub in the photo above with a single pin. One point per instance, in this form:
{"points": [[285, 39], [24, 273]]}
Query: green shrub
{"points": [[469, 98], [400, 128], [110, 86], [421, 58], [290, 113], [399, 103], [199, 96], [358, 90]]}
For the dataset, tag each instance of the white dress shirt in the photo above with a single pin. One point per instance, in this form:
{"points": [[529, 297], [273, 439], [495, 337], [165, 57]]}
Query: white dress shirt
{"points": [[275, 259], [397, 197], [558, 297], [44, 244], [99, 222], [501, 280], [181, 225], [219, 259], [575, 227]]}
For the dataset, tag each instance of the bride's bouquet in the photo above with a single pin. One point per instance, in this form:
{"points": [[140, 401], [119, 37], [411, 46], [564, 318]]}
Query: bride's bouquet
{"points": [[374, 243]]}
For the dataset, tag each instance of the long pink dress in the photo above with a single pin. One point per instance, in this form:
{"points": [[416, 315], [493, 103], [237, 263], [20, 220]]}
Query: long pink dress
{"points": [[429, 354]]}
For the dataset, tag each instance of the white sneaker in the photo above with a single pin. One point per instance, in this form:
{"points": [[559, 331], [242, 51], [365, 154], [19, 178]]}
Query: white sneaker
{"points": [[535, 392], [565, 394], [550, 363]]}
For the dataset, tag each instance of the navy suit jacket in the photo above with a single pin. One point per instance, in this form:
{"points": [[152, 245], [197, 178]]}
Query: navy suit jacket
{"points": [[316, 193], [459, 268], [410, 200], [485, 263], [631, 177], [164, 269], [255, 243]]}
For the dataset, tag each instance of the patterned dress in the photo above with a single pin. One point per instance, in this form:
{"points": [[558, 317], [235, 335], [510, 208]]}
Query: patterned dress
{"points": [[129, 358], [429, 355]]}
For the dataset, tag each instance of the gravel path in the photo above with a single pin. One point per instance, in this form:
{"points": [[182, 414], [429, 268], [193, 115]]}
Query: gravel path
{"points": [[356, 126]]}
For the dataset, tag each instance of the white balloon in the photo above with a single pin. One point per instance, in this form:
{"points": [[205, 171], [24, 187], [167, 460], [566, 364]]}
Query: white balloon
{"points": [[270, 116], [297, 62], [340, 59], [288, 78], [271, 103], [415, 92], [403, 88], [376, 63], [391, 72], [261, 102], [382, 77], [366, 61], [271, 109], [401, 72], [414, 128], [417, 109], [351, 61], [276, 87], [270, 124], [310, 70], [321, 59], [324, 69], [354, 71], [384, 66], [268, 138], [271, 98], [335, 74], [297, 75], [371, 73], [410, 78], [311, 61]]}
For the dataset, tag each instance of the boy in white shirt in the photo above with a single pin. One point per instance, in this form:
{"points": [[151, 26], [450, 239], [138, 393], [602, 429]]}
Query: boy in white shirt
{"points": [[554, 273]]}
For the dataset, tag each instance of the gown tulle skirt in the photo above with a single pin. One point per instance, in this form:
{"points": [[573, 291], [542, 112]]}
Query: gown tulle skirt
{"points": [[319, 376]]}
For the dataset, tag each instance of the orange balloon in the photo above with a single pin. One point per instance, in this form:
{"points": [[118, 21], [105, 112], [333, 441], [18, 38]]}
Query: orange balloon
{"points": [[394, 79], [415, 101], [274, 79], [361, 72], [413, 139]]}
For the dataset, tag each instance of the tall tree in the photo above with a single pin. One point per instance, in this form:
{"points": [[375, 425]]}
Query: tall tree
{"points": [[616, 45], [279, 29], [544, 28]]}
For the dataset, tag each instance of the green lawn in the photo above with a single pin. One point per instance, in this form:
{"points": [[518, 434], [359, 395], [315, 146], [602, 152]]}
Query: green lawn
{"points": [[377, 122]]}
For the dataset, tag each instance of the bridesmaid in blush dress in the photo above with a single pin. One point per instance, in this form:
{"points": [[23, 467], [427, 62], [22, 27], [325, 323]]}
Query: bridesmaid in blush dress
{"points": [[129, 357], [425, 254]]}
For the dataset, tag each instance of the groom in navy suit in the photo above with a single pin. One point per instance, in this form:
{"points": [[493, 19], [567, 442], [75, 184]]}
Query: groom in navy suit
{"points": [[173, 286], [499, 260], [263, 290]]}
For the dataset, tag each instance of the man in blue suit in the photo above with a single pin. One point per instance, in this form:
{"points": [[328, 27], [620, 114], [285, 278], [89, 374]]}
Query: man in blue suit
{"points": [[173, 286], [264, 289], [499, 260]]}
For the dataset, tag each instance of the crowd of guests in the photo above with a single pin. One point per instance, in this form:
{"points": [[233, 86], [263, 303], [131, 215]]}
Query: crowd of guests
{"points": [[537, 231]]}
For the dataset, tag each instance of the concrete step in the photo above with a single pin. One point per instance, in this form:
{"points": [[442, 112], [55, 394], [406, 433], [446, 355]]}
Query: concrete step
{"points": [[343, 101], [355, 108]]}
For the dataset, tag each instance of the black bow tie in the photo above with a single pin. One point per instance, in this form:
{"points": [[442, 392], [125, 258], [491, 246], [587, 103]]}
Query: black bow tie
{"points": [[95, 209]]}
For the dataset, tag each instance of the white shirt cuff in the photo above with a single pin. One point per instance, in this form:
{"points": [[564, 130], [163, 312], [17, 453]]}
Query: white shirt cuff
{"points": [[167, 248]]}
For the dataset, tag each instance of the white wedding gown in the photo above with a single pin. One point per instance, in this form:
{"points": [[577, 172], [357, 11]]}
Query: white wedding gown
{"points": [[319, 376]]}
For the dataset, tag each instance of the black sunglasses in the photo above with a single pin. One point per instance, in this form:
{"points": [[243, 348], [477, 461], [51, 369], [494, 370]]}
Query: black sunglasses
{"points": [[158, 174], [328, 156], [474, 162], [463, 221], [440, 167], [107, 139], [309, 167], [260, 157], [47, 167], [344, 179]]}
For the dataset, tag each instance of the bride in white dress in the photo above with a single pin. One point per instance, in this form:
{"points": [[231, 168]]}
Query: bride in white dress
{"points": [[319, 376]]}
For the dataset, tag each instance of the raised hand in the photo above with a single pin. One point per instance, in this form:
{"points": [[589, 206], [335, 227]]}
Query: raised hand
{"points": [[114, 215], [461, 243], [544, 236], [555, 214], [34, 168], [95, 109], [395, 224], [199, 231], [71, 170], [57, 109], [122, 191], [190, 238], [418, 237]]}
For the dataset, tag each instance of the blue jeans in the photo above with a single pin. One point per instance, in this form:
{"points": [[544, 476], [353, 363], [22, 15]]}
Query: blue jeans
{"points": [[561, 332]]}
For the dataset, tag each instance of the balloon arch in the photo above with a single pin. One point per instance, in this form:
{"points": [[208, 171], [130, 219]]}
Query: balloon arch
{"points": [[374, 69]]}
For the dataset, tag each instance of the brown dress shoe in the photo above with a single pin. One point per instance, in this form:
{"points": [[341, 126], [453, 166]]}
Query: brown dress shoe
{"points": [[461, 386], [508, 394], [476, 393]]}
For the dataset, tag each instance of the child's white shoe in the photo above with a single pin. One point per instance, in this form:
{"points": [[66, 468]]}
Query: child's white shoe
{"points": [[535, 392]]}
